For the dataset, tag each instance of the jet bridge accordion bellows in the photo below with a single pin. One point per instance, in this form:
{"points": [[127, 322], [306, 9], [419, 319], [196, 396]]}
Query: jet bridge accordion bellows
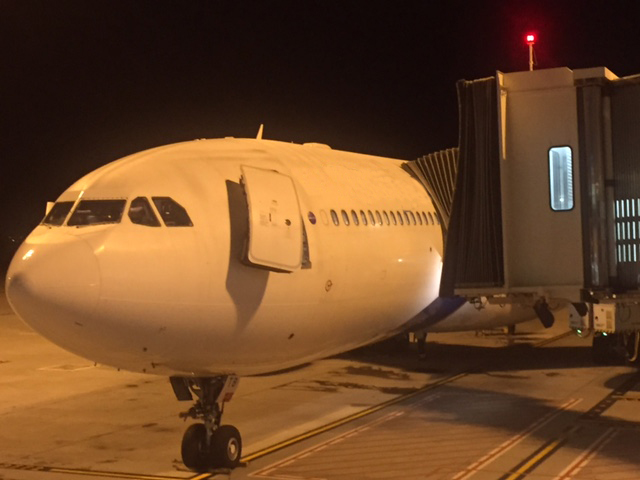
{"points": [[473, 245], [437, 172]]}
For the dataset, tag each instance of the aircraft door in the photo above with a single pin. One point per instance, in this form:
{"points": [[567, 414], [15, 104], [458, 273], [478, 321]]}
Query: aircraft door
{"points": [[275, 224]]}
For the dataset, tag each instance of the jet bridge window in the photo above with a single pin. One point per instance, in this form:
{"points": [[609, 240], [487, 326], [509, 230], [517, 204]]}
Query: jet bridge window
{"points": [[57, 214], [173, 214], [141, 213], [560, 178], [97, 212]]}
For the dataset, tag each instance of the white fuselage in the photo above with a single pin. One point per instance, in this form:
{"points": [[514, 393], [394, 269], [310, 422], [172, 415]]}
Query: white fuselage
{"points": [[185, 300]]}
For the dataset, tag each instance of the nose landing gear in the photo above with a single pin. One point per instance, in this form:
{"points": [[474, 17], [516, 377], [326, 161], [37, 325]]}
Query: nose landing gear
{"points": [[208, 445]]}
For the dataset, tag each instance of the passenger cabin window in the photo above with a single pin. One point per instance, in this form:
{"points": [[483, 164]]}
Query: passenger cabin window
{"points": [[173, 214], [379, 217], [560, 178], [386, 217], [354, 215], [400, 221], [334, 217], [141, 213], [409, 215], [345, 217], [97, 212], [57, 214], [372, 219], [363, 216]]}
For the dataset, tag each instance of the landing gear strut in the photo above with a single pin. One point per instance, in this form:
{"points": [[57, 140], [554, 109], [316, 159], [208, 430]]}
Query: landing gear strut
{"points": [[208, 445]]}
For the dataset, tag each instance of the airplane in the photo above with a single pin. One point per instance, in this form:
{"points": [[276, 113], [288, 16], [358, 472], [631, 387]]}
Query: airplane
{"points": [[209, 260]]}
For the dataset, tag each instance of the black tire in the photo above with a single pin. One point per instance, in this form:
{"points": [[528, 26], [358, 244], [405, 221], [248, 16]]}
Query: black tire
{"points": [[195, 454], [629, 342], [604, 349], [226, 447]]}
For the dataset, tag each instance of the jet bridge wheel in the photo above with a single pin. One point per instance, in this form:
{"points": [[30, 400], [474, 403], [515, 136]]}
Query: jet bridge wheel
{"points": [[605, 349]]}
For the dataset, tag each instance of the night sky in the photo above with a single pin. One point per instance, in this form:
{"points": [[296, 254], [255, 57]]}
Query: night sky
{"points": [[86, 82]]}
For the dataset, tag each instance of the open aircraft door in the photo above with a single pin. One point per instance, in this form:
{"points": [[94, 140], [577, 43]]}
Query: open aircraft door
{"points": [[275, 225]]}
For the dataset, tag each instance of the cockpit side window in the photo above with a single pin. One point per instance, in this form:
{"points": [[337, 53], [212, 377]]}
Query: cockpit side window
{"points": [[94, 212], [141, 213], [173, 214], [57, 214]]}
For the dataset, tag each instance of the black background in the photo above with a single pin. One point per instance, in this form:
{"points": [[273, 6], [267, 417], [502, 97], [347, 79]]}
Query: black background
{"points": [[86, 82]]}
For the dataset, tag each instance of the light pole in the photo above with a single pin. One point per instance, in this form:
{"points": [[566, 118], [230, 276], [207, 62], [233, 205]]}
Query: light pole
{"points": [[531, 39]]}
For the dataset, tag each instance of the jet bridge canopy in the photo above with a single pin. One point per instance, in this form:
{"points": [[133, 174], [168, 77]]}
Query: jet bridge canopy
{"points": [[547, 195]]}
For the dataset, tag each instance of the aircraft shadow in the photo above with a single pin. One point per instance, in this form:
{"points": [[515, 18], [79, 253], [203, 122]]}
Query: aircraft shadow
{"points": [[442, 357], [511, 363]]}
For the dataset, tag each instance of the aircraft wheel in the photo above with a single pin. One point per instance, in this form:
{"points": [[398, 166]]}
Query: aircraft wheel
{"points": [[604, 349], [194, 448], [226, 447]]}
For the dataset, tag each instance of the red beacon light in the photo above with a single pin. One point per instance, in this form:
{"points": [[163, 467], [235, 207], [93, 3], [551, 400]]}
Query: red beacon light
{"points": [[531, 39]]}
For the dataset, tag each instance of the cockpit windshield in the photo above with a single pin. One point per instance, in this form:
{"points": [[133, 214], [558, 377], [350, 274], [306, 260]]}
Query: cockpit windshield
{"points": [[57, 214], [141, 213], [173, 214], [95, 212]]}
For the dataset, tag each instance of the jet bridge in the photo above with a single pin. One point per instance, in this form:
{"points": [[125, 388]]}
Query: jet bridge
{"points": [[546, 207]]}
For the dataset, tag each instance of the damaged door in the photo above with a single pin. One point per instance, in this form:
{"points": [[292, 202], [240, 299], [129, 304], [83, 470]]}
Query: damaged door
{"points": [[275, 223]]}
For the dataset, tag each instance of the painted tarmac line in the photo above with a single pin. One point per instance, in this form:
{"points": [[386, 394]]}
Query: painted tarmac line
{"points": [[513, 441], [376, 408], [266, 472], [90, 473], [547, 341], [536, 458], [330, 426], [579, 463], [246, 459]]}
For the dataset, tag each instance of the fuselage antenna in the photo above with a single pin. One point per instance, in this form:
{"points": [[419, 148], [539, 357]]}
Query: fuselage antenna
{"points": [[260, 130]]}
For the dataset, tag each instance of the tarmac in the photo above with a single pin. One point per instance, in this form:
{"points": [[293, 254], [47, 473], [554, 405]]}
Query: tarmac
{"points": [[481, 405]]}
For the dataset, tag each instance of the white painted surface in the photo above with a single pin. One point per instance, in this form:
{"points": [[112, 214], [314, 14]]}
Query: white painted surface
{"points": [[182, 301]]}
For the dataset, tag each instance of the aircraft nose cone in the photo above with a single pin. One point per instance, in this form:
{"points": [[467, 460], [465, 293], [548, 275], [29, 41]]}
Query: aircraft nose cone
{"points": [[53, 283]]}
